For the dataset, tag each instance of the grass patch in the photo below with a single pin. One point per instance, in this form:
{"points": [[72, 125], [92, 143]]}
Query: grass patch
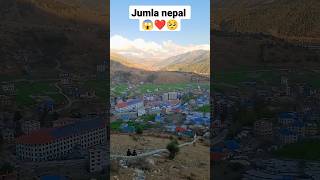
{"points": [[205, 108], [24, 91], [100, 86], [148, 117], [308, 150], [119, 89], [235, 78], [151, 88], [115, 126]]}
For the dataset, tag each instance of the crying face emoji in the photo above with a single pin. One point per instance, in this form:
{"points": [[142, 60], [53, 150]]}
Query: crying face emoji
{"points": [[172, 24], [147, 25]]}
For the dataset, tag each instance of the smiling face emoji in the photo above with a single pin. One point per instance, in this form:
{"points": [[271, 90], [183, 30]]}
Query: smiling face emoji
{"points": [[172, 24], [147, 25]]}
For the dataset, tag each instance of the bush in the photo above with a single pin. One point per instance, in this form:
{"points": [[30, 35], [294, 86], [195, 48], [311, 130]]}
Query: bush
{"points": [[139, 130], [173, 148]]}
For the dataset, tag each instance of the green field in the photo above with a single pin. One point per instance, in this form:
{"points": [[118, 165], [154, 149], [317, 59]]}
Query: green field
{"points": [[115, 126], [205, 108], [308, 150], [119, 89], [100, 86], [235, 78], [25, 91], [313, 78], [147, 118], [271, 77], [151, 88]]}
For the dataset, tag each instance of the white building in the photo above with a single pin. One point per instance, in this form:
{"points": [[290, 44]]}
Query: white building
{"points": [[165, 97], [54, 143], [6, 101], [288, 137], [65, 78], [30, 126], [173, 95], [8, 88], [284, 81], [98, 158], [170, 96], [101, 68], [141, 112]]}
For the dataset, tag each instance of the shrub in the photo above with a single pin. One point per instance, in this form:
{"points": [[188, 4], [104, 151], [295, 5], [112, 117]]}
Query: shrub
{"points": [[173, 148], [139, 130]]}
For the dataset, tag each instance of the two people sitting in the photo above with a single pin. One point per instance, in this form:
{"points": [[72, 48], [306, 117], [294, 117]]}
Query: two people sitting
{"points": [[134, 153]]}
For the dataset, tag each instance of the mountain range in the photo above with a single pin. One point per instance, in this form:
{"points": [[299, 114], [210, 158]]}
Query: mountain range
{"points": [[290, 19], [35, 34], [197, 61]]}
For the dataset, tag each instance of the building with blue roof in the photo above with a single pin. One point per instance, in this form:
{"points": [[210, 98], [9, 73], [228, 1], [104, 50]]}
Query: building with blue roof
{"points": [[287, 136], [286, 118], [231, 145], [199, 118], [46, 105], [53, 177], [216, 149], [126, 116], [158, 118], [127, 129]]}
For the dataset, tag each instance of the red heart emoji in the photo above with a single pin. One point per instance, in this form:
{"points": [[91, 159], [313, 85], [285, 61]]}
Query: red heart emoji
{"points": [[160, 24]]}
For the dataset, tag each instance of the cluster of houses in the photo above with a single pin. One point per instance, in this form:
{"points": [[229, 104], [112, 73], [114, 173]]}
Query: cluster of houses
{"points": [[7, 95], [290, 127], [161, 106], [72, 89], [7, 126], [296, 122]]}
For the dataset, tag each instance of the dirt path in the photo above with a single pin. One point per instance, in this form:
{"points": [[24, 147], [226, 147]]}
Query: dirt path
{"points": [[70, 102], [150, 153]]}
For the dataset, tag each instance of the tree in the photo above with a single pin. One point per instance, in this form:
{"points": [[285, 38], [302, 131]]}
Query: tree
{"points": [[139, 130], [173, 148]]}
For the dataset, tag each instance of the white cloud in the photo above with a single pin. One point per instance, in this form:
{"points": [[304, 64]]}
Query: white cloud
{"points": [[142, 49]]}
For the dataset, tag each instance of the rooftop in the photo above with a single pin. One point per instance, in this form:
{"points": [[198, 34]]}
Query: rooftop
{"points": [[46, 135]]}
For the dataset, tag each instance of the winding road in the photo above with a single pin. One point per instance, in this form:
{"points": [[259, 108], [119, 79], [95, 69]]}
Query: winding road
{"points": [[70, 102]]}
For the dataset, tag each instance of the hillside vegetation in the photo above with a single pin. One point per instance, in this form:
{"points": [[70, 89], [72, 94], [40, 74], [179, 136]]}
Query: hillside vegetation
{"points": [[194, 61], [296, 19]]}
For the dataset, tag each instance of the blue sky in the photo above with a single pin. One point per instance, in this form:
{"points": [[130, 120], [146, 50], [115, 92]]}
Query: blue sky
{"points": [[194, 31]]}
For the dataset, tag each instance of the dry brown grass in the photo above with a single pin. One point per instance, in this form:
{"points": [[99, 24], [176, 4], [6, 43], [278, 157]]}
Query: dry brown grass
{"points": [[192, 162]]}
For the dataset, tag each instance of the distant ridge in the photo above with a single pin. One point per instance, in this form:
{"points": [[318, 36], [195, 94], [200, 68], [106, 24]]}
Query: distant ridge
{"points": [[195, 61], [290, 19]]}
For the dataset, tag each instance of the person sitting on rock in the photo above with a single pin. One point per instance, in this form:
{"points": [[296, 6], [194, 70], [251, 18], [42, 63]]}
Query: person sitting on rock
{"points": [[134, 153], [129, 152]]}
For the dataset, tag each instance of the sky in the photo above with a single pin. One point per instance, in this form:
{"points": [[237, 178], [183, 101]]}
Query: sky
{"points": [[126, 38]]}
